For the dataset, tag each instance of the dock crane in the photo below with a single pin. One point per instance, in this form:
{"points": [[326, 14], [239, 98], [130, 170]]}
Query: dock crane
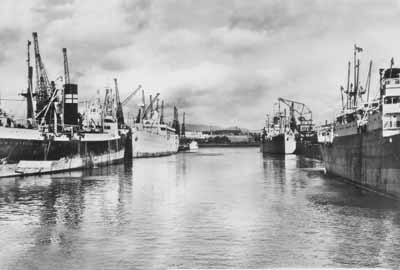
{"points": [[128, 98], [300, 108], [43, 86], [303, 113]]}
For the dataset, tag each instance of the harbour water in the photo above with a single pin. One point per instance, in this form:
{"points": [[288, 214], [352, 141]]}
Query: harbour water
{"points": [[217, 208]]}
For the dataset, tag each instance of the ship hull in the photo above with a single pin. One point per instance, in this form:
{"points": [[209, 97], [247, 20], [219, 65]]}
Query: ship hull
{"points": [[92, 149], [368, 159], [279, 144], [308, 149], [148, 144]]}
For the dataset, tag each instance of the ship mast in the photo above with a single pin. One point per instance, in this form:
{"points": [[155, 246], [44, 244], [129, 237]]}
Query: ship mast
{"points": [[183, 129], [151, 106], [120, 112], [30, 114], [162, 113], [356, 74], [348, 86], [144, 105]]}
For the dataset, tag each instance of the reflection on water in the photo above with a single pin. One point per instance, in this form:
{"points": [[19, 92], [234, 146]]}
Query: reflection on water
{"points": [[218, 208]]}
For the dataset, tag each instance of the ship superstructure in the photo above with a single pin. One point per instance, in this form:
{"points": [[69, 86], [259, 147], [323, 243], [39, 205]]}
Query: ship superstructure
{"points": [[366, 133]]}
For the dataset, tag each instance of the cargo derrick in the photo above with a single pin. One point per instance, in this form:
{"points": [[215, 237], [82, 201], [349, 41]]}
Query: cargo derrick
{"points": [[43, 87], [128, 98], [149, 108], [109, 105], [303, 114]]}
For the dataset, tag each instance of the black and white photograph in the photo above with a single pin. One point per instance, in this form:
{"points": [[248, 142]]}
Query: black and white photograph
{"points": [[182, 134]]}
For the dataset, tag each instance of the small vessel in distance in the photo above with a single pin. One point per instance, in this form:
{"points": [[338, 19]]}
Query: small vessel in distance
{"points": [[366, 142], [193, 147], [278, 137]]}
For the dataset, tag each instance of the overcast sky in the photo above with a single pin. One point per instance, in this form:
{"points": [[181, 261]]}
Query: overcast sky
{"points": [[222, 62]]}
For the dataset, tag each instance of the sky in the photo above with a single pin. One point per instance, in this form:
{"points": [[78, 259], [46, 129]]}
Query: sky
{"points": [[222, 62]]}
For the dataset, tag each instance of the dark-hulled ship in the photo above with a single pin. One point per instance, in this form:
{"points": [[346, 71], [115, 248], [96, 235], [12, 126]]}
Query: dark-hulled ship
{"points": [[278, 137], [366, 143], [56, 136]]}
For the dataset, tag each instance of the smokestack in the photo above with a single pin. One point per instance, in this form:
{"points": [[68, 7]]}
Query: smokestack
{"points": [[71, 104]]}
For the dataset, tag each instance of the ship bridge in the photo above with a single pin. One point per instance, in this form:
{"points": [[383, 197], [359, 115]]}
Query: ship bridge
{"points": [[391, 73], [391, 102]]}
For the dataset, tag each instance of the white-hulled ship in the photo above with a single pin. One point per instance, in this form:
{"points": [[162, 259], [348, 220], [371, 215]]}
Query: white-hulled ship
{"points": [[55, 136], [366, 134], [151, 136], [278, 137], [154, 140]]}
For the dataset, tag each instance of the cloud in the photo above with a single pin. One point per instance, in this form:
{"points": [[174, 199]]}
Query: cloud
{"points": [[8, 36], [49, 10], [223, 62]]}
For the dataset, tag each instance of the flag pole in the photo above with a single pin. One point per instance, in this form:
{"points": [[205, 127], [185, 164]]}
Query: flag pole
{"points": [[391, 66]]}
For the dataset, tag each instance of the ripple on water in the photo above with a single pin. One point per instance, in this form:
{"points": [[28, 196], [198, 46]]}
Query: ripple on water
{"points": [[217, 208]]}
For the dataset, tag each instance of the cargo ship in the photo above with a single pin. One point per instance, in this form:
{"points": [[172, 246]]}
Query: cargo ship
{"points": [[278, 136], [152, 137], [365, 147], [302, 124], [56, 136], [310, 137]]}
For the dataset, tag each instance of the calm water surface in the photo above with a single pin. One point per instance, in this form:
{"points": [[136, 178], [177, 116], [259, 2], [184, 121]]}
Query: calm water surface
{"points": [[219, 208]]}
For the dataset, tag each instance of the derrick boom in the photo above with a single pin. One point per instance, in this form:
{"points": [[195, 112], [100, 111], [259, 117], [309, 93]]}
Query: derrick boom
{"points": [[43, 87]]}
